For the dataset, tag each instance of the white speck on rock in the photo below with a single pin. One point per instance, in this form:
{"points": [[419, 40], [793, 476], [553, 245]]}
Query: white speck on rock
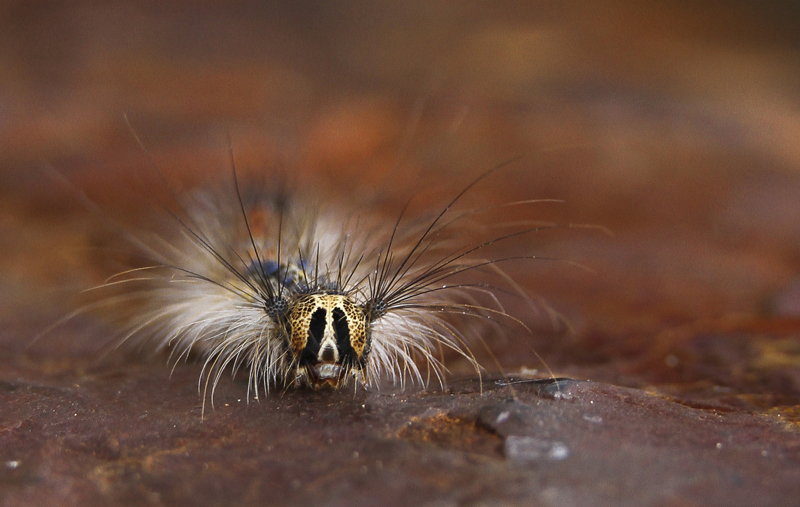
{"points": [[528, 449]]}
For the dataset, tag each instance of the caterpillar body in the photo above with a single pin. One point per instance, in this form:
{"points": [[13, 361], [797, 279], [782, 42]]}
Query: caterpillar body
{"points": [[258, 279]]}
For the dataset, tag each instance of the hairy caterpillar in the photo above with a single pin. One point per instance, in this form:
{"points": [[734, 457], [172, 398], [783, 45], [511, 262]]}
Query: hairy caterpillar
{"points": [[258, 278]]}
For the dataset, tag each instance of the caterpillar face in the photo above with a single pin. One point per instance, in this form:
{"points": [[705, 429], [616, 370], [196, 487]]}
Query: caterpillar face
{"points": [[328, 338]]}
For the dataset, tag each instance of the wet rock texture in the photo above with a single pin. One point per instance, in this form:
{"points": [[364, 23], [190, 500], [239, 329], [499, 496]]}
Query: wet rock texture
{"points": [[674, 125]]}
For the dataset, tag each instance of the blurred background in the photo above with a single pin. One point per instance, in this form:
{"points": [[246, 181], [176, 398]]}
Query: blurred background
{"points": [[675, 124]]}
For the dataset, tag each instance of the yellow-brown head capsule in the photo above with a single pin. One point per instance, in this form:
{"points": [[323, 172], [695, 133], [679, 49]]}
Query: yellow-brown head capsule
{"points": [[328, 337]]}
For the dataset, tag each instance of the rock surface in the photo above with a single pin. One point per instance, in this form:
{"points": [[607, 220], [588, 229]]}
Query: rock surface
{"points": [[134, 437]]}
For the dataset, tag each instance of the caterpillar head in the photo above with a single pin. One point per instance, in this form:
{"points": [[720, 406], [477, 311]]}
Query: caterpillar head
{"points": [[328, 337]]}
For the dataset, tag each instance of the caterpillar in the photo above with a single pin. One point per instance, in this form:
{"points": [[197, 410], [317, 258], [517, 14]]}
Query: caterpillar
{"points": [[259, 278]]}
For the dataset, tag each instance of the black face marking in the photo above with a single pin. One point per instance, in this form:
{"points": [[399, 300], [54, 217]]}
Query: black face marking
{"points": [[316, 329], [342, 328]]}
